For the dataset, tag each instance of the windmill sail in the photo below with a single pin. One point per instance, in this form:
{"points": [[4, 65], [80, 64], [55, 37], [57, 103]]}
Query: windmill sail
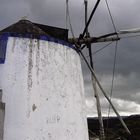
{"points": [[128, 31]]}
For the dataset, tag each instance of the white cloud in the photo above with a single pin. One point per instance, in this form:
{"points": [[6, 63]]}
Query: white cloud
{"points": [[123, 107]]}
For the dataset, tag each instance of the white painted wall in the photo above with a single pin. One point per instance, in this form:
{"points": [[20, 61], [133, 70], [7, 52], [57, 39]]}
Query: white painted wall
{"points": [[43, 90]]}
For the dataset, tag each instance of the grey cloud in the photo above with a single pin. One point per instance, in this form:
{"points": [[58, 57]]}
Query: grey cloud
{"points": [[127, 58], [128, 63], [122, 106], [125, 14], [124, 87], [11, 11]]}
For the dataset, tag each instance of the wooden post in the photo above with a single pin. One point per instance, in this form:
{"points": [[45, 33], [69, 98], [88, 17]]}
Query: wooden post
{"points": [[102, 135]]}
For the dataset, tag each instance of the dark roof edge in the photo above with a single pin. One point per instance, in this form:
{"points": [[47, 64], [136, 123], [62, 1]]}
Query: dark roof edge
{"points": [[5, 35], [27, 27], [55, 32]]}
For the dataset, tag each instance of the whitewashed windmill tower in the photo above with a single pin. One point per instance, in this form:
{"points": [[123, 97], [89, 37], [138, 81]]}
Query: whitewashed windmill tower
{"points": [[42, 84]]}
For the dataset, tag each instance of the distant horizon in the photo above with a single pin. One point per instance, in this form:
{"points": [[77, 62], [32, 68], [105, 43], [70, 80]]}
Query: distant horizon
{"points": [[105, 116]]}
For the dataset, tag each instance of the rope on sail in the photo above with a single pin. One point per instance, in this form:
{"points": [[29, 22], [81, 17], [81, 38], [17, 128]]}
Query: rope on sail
{"points": [[89, 20], [99, 50], [114, 63], [124, 37], [112, 20], [68, 18], [104, 93], [112, 83], [66, 14]]}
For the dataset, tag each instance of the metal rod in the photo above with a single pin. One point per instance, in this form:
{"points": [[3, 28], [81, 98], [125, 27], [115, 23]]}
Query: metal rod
{"points": [[66, 14], [86, 13], [88, 22], [104, 93]]}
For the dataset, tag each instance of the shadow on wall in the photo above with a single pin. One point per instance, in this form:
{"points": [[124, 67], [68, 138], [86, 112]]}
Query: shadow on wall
{"points": [[2, 115]]}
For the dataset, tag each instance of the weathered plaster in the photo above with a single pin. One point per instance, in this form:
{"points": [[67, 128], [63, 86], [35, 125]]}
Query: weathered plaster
{"points": [[43, 90]]}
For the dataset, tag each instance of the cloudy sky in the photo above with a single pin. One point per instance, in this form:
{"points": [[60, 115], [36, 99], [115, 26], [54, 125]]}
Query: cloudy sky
{"points": [[126, 92]]}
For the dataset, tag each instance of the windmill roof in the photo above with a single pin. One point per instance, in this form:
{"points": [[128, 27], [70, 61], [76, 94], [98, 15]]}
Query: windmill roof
{"points": [[24, 27]]}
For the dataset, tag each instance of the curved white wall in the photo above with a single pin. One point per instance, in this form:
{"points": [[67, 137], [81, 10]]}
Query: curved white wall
{"points": [[43, 90]]}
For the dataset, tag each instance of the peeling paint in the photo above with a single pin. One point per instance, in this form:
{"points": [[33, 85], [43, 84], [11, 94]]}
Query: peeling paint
{"points": [[37, 60], [29, 80], [13, 46], [34, 107], [30, 65]]}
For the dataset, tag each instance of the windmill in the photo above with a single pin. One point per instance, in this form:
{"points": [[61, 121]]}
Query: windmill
{"points": [[41, 82]]}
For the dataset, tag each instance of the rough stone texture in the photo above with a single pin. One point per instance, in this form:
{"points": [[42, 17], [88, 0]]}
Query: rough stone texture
{"points": [[43, 90]]}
